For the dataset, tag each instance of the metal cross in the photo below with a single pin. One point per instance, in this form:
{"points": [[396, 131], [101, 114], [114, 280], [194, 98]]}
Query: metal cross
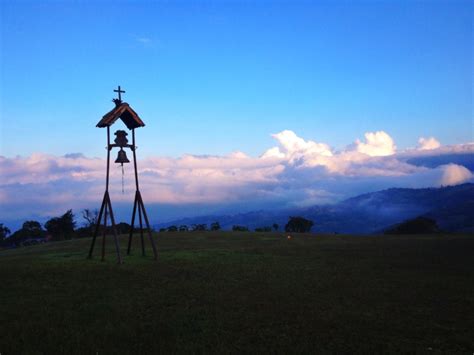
{"points": [[119, 92]]}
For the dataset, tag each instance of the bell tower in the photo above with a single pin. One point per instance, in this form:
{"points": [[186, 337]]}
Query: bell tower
{"points": [[130, 118]]}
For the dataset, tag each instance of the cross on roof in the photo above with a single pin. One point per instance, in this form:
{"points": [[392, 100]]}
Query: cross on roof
{"points": [[119, 91]]}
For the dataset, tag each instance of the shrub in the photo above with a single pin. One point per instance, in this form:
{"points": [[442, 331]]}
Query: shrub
{"points": [[215, 226], [418, 225], [240, 228], [199, 227]]}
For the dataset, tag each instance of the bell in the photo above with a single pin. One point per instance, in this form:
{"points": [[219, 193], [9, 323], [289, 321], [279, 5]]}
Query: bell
{"points": [[122, 157], [121, 139]]}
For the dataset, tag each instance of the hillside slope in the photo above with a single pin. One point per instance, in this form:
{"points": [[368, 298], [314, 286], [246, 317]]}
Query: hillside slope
{"points": [[249, 292]]}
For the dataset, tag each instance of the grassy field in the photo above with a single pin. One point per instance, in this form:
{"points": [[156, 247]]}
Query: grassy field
{"points": [[222, 292]]}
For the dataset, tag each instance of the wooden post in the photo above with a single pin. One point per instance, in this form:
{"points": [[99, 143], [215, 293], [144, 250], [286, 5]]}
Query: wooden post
{"points": [[99, 219], [132, 224], [135, 159], [152, 242], [104, 233], [114, 229], [138, 204], [108, 159], [105, 209]]}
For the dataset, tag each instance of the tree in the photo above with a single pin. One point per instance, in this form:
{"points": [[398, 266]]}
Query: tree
{"points": [[215, 226], [62, 227], [90, 216], [172, 229], [275, 226], [263, 229], [33, 229], [299, 225], [29, 229], [4, 232], [183, 228]]}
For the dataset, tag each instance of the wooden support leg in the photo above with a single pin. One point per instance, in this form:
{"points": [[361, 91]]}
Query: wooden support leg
{"points": [[141, 228], [152, 241], [99, 219], [104, 233], [135, 203], [114, 229]]}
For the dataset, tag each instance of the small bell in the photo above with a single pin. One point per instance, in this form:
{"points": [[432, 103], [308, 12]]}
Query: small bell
{"points": [[121, 139], [122, 157]]}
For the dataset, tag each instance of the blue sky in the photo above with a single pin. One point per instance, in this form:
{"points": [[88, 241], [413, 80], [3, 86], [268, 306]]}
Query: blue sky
{"points": [[213, 77], [248, 105]]}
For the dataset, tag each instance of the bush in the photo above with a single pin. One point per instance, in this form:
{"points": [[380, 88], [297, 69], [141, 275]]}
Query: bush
{"points": [[418, 225], [240, 229], [199, 227], [124, 228], [215, 226]]}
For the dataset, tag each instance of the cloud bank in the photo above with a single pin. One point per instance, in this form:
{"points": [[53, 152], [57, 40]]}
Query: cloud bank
{"points": [[293, 172]]}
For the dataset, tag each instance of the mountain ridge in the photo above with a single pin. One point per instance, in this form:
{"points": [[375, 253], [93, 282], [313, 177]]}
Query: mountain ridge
{"points": [[451, 206]]}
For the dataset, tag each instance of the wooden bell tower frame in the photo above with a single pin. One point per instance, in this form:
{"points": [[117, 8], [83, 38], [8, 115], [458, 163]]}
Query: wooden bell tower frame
{"points": [[123, 111]]}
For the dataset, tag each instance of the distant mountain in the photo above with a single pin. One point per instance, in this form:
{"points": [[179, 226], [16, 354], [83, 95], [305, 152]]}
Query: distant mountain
{"points": [[372, 212], [452, 207], [434, 161]]}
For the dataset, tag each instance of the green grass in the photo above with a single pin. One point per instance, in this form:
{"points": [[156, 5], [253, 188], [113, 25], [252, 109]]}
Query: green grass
{"points": [[242, 293]]}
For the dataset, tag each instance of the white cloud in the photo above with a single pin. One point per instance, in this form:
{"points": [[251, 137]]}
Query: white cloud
{"points": [[454, 174], [377, 144], [293, 147], [273, 153], [297, 171], [428, 143]]}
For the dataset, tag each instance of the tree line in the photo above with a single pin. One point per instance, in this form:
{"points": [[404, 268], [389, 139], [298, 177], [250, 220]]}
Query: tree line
{"points": [[64, 227], [295, 225], [55, 229]]}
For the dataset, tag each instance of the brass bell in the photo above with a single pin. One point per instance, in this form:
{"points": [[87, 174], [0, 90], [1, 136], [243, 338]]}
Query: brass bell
{"points": [[122, 157]]}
